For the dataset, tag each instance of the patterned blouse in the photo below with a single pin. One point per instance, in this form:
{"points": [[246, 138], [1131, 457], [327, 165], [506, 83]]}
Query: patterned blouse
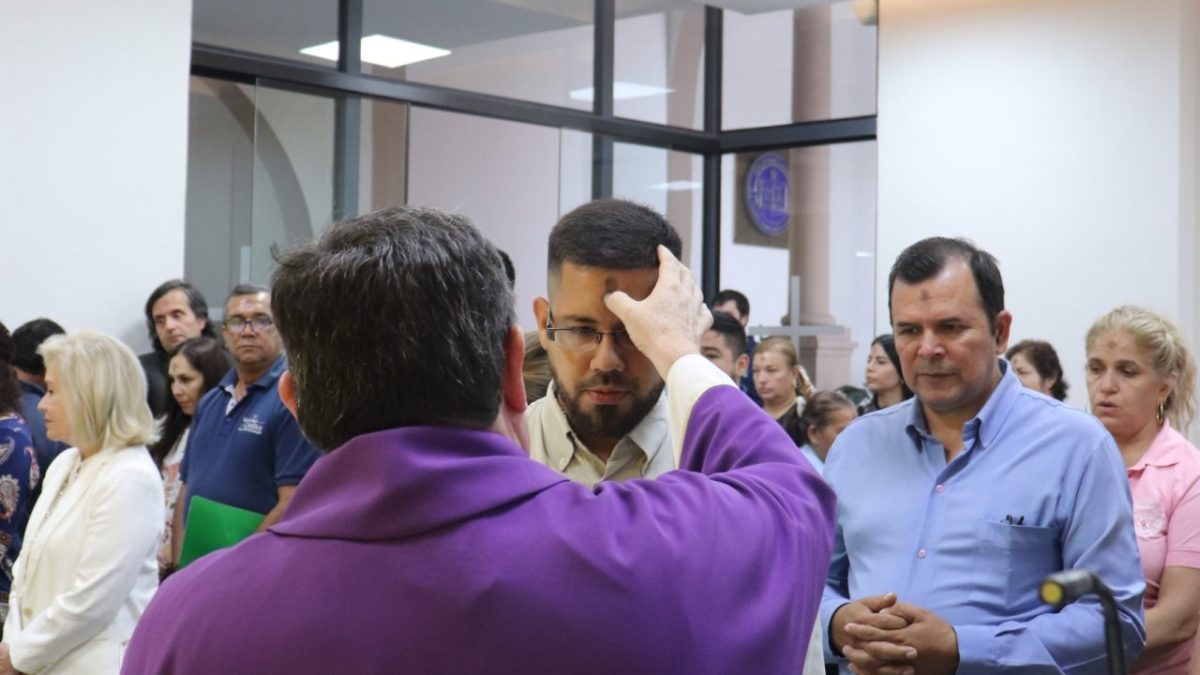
{"points": [[19, 474]]}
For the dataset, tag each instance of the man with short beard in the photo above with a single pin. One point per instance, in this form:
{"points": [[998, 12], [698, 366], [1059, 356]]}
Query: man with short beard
{"points": [[604, 416]]}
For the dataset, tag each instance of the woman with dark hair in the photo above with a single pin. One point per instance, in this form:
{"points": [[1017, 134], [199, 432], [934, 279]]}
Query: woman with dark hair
{"points": [[18, 467], [1035, 363], [884, 380], [196, 366]]}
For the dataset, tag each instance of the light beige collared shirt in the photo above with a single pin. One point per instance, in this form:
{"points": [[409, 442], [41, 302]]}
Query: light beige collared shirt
{"points": [[644, 453]]}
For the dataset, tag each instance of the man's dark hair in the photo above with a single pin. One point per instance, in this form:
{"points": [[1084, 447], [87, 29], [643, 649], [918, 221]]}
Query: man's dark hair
{"points": [[246, 289], [27, 338], [739, 300], [196, 301], [393, 319], [732, 332], [926, 258], [611, 234], [10, 387]]}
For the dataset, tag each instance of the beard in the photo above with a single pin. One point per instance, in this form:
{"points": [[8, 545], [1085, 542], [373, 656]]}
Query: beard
{"points": [[604, 421]]}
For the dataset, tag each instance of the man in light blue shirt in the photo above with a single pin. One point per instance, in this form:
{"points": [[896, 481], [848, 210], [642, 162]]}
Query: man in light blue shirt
{"points": [[955, 505]]}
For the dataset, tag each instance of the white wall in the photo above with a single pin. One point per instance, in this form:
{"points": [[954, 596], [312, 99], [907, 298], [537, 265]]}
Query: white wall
{"points": [[1049, 133], [93, 136]]}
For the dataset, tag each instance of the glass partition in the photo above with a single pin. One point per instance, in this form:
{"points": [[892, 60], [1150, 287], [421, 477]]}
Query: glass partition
{"points": [[512, 180], [804, 219], [278, 28], [260, 174], [658, 68], [798, 65], [526, 49]]}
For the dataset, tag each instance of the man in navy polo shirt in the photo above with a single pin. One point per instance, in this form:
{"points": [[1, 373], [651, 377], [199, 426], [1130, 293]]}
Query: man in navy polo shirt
{"points": [[245, 449]]}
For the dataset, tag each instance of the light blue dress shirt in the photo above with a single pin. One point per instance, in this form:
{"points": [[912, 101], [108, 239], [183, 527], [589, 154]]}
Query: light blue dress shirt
{"points": [[813, 458], [1038, 487]]}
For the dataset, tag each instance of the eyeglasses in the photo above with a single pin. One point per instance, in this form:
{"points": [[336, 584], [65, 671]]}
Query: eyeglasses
{"points": [[259, 322], [584, 339]]}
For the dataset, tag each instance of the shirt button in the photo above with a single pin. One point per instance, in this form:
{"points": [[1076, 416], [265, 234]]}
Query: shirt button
{"points": [[921, 553], [939, 489]]}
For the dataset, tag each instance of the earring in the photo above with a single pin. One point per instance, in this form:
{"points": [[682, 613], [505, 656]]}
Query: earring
{"points": [[1160, 413]]}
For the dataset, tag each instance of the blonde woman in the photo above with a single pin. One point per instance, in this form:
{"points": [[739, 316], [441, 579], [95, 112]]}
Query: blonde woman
{"points": [[782, 383], [1141, 386], [88, 567]]}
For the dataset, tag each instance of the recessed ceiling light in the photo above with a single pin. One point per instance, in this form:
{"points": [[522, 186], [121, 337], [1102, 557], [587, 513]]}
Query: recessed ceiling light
{"points": [[677, 185], [381, 50], [622, 91]]}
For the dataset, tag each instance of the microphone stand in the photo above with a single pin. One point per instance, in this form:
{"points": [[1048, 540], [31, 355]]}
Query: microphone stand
{"points": [[1062, 588]]}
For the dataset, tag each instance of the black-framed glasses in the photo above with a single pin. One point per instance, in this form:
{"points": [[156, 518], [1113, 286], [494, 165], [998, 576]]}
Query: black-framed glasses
{"points": [[583, 338], [259, 322]]}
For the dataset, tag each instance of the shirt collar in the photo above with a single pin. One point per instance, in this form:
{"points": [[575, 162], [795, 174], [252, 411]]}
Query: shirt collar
{"points": [[652, 428], [646, 436], [1167, 449], [267, 380], [985, 426]]}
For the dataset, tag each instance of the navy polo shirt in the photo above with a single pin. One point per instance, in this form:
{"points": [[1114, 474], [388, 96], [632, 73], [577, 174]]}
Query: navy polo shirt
{"points": [[240, 458], [747, 383], [45, 448]]}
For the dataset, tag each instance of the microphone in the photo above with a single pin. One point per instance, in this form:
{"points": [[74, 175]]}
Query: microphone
{"points": [[1062, 588]]}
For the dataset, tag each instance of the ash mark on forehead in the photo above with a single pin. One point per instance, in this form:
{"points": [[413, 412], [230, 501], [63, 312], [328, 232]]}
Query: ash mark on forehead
{"points": [[610, 285], [925, 296]]}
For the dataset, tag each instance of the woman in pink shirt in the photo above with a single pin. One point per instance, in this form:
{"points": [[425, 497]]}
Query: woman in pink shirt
{"points": [[1141, 380]]}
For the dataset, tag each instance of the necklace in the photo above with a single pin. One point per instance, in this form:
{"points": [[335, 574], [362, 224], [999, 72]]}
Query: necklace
{"points": [[67, 482]]}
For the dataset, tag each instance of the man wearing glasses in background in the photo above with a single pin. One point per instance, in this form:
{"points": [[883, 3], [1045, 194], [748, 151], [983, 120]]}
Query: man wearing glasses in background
{"points": [[245, 449], [604, 416]]}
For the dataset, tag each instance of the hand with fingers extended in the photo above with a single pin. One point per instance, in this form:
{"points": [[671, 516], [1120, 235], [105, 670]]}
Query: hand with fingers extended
{"points": [[668, 324], [901, 639]]}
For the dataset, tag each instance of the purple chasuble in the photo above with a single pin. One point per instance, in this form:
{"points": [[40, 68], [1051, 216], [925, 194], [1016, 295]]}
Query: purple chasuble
{"points": [[441, 550]]}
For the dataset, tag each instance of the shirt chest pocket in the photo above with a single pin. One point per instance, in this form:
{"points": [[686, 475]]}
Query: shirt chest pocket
{"points": [[1012, 560], [1149, 519]]}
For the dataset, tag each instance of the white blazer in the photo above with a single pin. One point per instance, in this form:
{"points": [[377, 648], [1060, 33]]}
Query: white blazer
{"points": [[88, 565]]}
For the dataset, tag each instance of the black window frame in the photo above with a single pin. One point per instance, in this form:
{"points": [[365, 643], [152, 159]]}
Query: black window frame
{"points": [[347, 85]]}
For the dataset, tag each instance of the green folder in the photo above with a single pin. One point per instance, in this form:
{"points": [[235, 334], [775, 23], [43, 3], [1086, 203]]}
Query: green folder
{"points": [[212, 526]]}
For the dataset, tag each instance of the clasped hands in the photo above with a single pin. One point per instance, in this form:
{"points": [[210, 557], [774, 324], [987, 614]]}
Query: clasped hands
{"points": [[882, 636]]}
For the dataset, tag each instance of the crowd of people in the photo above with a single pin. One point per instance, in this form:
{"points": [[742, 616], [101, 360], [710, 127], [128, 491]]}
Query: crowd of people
{"points": [[694, 504]]}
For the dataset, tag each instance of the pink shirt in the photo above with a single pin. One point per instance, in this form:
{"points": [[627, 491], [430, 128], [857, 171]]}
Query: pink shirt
{"points": [[1165, 484]]}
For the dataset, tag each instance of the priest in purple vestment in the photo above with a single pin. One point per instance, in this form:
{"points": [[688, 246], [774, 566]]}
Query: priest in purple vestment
{"points": [[426, 540]]}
